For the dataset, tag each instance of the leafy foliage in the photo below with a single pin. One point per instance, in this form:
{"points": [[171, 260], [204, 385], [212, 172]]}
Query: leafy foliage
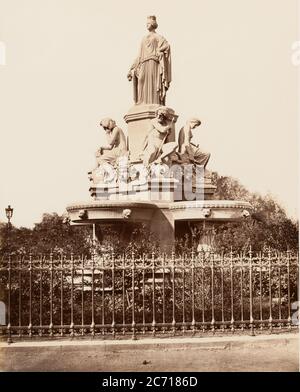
{"points": [[267, 227], [52, 234]]}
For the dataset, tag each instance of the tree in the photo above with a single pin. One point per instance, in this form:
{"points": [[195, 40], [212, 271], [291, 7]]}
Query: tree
{"points": [[52, 234], [268, 225]]}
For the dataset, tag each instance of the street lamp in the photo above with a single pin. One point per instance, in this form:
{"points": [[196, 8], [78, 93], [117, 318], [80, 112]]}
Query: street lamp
{"points": [[9, 213]]}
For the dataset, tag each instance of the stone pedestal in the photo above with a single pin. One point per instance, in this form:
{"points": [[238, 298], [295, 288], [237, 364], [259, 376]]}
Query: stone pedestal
{"points": [[138, 119], [162, 224], [157, 189]]}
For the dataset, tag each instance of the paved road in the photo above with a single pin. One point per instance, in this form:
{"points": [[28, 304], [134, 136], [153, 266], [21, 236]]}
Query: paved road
{"points": [[241, 353]]}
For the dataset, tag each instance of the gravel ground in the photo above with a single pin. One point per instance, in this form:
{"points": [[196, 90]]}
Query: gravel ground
{"points": [[228, 354]]}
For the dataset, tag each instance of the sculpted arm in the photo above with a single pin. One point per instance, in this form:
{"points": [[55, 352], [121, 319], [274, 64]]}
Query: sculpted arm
{"points": [[134, 65]]}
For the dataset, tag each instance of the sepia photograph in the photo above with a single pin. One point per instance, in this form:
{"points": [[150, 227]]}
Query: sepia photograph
{"points": [[149, 189]]}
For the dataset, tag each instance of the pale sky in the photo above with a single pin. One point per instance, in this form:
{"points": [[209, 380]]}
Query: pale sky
{"points": [[66, 67]]}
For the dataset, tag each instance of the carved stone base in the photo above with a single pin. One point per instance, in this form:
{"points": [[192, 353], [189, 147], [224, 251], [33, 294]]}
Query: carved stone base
{"points": [[160, 189]]}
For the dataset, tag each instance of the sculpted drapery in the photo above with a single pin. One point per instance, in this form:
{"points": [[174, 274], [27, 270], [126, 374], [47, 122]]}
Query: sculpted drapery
{"points": [[151, 71], [156, 149], [188, 151]]}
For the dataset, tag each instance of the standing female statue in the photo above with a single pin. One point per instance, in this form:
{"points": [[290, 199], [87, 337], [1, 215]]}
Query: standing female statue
{"points": [[151, 71]]}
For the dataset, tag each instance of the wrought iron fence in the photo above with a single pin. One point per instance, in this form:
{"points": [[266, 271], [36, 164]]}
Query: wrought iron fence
{"points": [[128, 295]]}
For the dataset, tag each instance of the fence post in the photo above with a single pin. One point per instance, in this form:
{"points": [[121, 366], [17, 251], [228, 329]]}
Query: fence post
{"points": [[51, 295], [173, 294], [133, 298], [270, 291], [113, 324], [231, 291], [164, 294], [202, 266], [82, 295], [212, 291], [123, 294], [289, 290], [144, 316], [222, 292], [93, 293], [30, 296], [20, 296], [72, 299], [260, 292], [9, 339], [153, 296], [241, 257], [279, 256], [183, 294], [62, 294], [103, 297], [251, 293], [193, 294]]}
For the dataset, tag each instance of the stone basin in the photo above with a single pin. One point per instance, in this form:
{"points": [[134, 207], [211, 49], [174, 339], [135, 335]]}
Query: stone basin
{"points": [[116, 211]]}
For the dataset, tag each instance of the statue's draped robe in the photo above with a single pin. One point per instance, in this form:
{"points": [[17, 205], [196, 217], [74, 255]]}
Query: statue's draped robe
{"points": [[188, 151], [152, 71], [154, 141]]}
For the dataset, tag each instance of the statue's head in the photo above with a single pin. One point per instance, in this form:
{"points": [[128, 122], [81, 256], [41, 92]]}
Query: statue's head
{"points": [[151, 23], [164, 113], [107, 124], [194, 122]]}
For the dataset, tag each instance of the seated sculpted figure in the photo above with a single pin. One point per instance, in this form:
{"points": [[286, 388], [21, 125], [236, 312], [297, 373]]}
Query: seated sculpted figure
{"points": [[155, 149], [188, 151], [115, 146], [110, 154]]}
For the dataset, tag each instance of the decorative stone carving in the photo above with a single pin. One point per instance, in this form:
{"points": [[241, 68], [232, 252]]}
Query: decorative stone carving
{"points": [[151, 71], [206, 212], [82, 214], [126, 213], [245, 214], [155, 149]]}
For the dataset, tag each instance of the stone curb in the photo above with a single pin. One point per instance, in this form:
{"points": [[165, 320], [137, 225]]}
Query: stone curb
{"points": [[226, 342]]}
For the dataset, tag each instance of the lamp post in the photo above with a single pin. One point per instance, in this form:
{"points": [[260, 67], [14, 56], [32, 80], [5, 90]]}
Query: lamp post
{"points": [[9, 213]]}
